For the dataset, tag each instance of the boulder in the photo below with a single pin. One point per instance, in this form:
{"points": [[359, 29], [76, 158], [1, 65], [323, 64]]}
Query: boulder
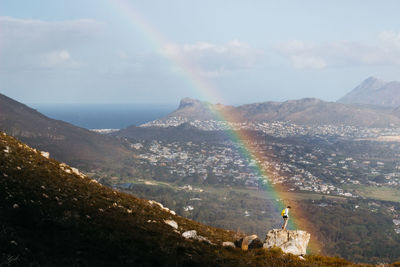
{"points": [[192, 234], [228, 244], [249, 242], [45, 154], [255, 243], [172, 223], [290, 241]]}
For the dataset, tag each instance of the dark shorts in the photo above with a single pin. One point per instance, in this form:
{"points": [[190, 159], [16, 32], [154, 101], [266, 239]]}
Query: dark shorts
{"points": [[285, 217]]}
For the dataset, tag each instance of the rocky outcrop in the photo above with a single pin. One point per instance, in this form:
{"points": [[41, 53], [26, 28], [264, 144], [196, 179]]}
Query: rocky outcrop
{"points": [[294, 242], [192, 234], [172, 223]]}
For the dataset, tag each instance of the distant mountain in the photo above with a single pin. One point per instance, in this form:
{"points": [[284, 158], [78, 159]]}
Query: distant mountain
{"points": [[312, 111], [65, 142], [373, 91], [52, 215], [194, 109], [307, 111]]}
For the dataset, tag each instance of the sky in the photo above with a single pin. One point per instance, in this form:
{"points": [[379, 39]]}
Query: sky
{"points": [[158, 52]]}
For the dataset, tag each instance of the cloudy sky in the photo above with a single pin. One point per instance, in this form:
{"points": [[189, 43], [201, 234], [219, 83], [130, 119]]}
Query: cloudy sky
{"points": [[235, 52]]}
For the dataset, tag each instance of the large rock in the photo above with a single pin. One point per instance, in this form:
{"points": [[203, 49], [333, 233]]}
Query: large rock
{"points": [[228, 244], [249, 242], [172, 223], [294, 242], [192, 234]]}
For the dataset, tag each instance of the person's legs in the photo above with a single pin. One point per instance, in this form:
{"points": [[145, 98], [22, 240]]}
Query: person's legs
{"points": [[285, 223]]}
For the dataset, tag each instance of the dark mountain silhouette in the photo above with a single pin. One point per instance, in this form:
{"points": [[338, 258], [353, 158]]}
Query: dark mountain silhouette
{"points": [[65, 142], [375, 92]]}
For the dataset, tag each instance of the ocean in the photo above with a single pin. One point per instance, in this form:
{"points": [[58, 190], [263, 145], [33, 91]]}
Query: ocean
{"points": [[107, 116]]}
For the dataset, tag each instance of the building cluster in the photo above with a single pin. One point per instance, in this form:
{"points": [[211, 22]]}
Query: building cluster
{"points": [[279, 163], [300, 167], [279, 128], [220, 162]]}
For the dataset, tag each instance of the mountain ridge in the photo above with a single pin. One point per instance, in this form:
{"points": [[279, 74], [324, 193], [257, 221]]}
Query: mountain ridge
{"points": [[306, 111], [65, 142]]}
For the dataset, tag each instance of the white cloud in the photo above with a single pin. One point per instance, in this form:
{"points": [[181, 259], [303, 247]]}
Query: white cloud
{"points": [[122, 55], [307, 55], [35, 44], [304, 62], [390, 38], [58, 59], [214, 59]]}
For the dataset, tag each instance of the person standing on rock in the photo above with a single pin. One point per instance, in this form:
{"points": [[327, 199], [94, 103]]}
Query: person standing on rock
{"points": [[285, 216]]}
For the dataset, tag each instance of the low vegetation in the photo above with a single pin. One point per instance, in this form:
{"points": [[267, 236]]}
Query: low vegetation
{"points": [[52, 215], [359, 230]]}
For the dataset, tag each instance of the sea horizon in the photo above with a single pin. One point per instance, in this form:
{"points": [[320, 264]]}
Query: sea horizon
{"points": [[104, 116]]}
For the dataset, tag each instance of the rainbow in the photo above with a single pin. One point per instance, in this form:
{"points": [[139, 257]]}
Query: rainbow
{"points": [[209, 92]]}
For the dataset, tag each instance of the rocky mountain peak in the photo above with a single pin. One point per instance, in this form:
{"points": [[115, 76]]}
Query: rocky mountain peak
{"points": [[185, 102], [374, 91], [372, 83], [192, 109], [371, 79]]}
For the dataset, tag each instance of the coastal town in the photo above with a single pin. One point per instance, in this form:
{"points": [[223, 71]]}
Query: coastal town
{"points": [[281, 128], [331, 166], [301, 166]]}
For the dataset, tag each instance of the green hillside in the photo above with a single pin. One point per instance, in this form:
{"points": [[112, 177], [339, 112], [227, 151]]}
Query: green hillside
{"points": [[51, 215]]}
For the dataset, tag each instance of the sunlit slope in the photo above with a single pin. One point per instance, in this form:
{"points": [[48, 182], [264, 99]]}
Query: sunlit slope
{"points": [[52, 215]]}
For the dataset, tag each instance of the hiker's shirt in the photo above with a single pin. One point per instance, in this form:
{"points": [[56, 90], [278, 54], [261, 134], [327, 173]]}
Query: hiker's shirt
{"points": [[286, 213]]}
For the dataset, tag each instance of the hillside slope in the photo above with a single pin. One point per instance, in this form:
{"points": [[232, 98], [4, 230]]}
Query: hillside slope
{"points": [[52, 215], [65, 142]]}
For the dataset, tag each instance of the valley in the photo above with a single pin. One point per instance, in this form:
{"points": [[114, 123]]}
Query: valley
{"points": [[348, 175], [199, 133], [332, 173], [50, 208]]}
